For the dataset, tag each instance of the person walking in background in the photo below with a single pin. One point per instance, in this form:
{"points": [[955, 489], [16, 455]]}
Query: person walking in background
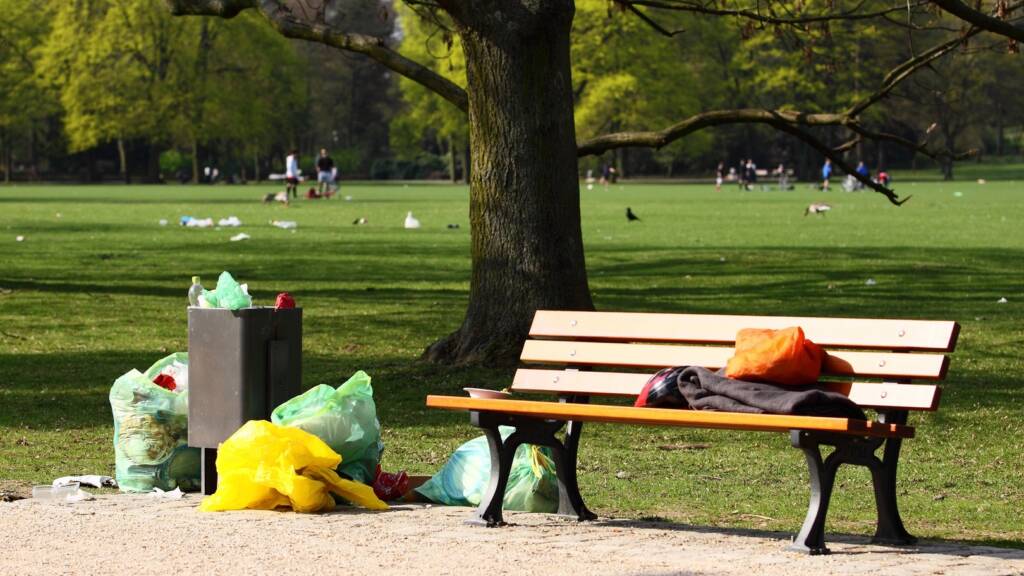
{"points": [[719, 176], [783, 177], [751, 174], [291, 174], [325, 172], [826, 173]]}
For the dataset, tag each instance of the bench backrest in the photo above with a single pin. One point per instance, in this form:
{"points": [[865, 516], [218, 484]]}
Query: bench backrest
{"points": [[891, 353]]}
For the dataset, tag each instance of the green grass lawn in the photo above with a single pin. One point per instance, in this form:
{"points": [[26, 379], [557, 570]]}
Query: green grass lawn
{"points": [[98, 287]]}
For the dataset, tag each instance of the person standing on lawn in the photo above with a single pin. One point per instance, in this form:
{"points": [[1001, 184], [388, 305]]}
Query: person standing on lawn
{"points": [[291, 174], [826, 173], [325, 172]]}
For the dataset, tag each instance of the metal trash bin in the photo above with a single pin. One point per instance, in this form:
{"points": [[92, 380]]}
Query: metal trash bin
{"points": [[241, 365]]}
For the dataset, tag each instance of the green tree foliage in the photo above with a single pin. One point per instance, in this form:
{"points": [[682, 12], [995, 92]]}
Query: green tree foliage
{"points": [[628, 77], [127, 70], [24, 99], [426, 118]]}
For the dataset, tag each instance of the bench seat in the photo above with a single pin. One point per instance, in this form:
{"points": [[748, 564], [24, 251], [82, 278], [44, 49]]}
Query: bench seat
{"points": [[672, 417]]}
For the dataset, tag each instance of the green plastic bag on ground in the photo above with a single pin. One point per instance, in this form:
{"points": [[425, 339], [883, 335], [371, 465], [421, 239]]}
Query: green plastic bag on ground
{"points": [[151, 433], [345, 419], [462, 481], [228, 294]]}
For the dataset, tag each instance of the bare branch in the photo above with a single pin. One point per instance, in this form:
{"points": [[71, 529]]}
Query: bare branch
{"points": [[837, 160], [755, 15], [660, 138], [906, 69], [282, 18], [993, 24], [650, 22], [920, 148], [222, 8]]}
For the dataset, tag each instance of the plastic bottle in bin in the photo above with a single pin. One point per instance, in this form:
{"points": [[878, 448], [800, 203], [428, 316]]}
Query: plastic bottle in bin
{"points": [[195, 291]]}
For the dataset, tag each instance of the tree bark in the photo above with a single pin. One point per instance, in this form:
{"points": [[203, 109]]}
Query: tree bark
{"points": [[451, 161], [524, 210], [195, 161], [5, 155], [122, 156]]}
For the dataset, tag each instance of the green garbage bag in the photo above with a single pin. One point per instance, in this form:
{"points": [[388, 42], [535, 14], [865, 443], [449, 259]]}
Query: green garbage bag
{"points": [[344, 418], [532, 482], [151, 432], [228, 294]]}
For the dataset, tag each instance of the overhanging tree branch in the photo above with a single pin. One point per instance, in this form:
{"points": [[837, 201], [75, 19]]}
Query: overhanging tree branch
{"points": [[796, 123], [992, 24], [289, 25], [906, 69], [715, 9]]}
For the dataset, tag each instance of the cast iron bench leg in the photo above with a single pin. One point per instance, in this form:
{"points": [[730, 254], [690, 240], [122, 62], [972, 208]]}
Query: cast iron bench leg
{"points": [[859, 451], [528, 431], [570, 501], [890, 528], [489, 511], [822, 477]]}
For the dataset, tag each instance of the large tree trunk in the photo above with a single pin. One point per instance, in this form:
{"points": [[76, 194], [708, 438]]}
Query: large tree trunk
{"points": [[524, 190]]}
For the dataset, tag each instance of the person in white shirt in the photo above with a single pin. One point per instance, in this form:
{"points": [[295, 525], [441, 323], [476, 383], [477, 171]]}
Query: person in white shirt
{"points": [[291, 174]]}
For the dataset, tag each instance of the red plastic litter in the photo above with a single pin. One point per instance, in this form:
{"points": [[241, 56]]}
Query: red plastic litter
{"points": [[388, 486], [284, 300], [165, 381]]}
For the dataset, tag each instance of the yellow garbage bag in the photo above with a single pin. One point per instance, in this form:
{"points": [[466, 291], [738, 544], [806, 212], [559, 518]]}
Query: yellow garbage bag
{"points": [[263, 466]]}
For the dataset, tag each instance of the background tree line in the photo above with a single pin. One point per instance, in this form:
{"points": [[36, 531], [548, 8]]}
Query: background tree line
{"points": [[121, 89]]}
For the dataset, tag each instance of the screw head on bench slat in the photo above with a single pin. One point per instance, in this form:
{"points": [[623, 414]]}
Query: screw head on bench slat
{"points": [[572, 322], [884, 393], [554, 379], [572, 352], [881, 363], [902, 333]]}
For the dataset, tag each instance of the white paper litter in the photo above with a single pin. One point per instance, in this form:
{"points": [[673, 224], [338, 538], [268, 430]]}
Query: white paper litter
{"points": [[175, 494], [240, 236], [94, 480]]}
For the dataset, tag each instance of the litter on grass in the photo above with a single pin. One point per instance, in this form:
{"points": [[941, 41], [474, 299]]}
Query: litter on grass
{"points": [[229, 222], [192, 222], [93, 480], [285, 224], [240, 236]]}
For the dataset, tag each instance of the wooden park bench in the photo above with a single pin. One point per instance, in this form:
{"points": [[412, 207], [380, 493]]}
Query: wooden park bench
{"points": [[871, 361]]}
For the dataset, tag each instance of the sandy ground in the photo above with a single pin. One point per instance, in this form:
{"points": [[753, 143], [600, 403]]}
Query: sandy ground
{"points": [[137, 535]]}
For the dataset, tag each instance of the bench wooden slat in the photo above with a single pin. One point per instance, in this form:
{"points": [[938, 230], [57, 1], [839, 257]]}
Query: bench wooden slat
{"points": [[884, 395], [838, 362], [671, 417], [939, 336]]}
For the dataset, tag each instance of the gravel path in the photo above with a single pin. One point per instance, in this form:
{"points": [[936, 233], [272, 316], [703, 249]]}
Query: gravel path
{"points": [[138, 535]]}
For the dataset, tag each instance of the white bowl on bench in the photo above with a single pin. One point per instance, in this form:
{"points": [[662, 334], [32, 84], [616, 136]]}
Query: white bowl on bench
{"points": [[485, 393]]}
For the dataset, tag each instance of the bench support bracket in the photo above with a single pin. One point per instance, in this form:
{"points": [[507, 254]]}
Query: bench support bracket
{"points": [[859, 451], [529, 431]]}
